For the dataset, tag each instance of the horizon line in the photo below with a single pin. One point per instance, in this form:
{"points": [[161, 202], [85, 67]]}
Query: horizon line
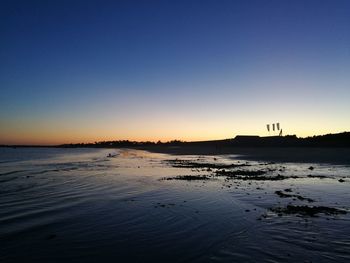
{"points": [[156, 141]]}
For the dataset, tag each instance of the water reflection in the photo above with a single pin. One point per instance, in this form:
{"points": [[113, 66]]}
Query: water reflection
{"points": [[81, 205]]}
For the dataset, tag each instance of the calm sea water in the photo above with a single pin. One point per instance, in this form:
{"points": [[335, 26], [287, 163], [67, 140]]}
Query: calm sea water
{"points": [[77, 205]]}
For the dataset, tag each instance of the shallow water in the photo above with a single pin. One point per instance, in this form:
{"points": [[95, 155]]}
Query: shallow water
{"points": [[77, 205]]}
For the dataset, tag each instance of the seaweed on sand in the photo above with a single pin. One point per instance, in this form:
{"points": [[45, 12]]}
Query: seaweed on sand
{"points": [[188, 177], [316, 176], [284, 195], [265, 178], [307, 210], [239, 173], [190, 164], [257, 175]]}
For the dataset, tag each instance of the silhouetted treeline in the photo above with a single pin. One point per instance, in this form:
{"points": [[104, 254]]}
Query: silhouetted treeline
{"points": [[328, 140], [120, 144]]}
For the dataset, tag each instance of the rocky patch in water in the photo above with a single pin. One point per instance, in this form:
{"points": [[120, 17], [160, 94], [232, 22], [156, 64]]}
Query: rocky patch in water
{"points": [[264, 177], [230, 171], [253, 175]]}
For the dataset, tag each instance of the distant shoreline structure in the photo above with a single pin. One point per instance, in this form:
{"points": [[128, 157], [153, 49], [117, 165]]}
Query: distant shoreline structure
{"points": [[327, 140]]}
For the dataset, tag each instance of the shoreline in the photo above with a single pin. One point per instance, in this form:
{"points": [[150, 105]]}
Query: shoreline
{"points": [[291, 154]]}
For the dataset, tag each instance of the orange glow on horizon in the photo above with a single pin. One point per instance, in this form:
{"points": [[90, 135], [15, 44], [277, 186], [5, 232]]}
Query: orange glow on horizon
{"points": [[163, 128], [57, 139]]}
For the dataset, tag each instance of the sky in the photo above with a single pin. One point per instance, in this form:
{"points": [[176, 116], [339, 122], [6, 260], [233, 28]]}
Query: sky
{"points": [[85, 71]]}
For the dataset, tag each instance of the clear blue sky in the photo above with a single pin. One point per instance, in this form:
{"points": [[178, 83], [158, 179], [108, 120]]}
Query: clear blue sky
{"points": [[75, 71]]}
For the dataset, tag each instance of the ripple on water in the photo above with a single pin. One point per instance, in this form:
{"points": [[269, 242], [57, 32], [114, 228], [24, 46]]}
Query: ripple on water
{"points": [[81, 206]]}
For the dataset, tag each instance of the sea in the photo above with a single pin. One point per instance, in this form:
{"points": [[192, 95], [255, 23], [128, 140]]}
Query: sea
{"points": [[126, 205]]}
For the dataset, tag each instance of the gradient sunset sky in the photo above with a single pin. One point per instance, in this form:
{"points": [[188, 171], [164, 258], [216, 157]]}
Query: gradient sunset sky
{"points": [[84, 71]]}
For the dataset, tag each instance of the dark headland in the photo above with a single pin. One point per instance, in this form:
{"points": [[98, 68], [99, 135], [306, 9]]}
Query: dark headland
{"points": [[329, 148]]}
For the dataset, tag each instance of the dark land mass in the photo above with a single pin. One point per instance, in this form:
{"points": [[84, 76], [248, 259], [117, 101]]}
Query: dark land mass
{"points": [[330, 148]]}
